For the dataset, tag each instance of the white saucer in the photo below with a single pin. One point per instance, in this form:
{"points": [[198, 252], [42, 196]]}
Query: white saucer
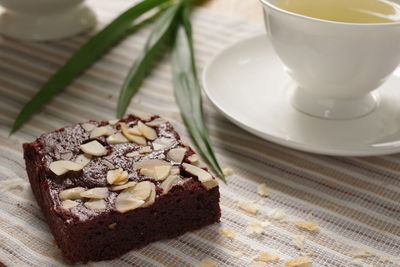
{"points": [[248, 84]]}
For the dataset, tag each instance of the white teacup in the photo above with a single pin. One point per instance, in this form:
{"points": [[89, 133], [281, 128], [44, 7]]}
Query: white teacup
{"points": [[335, 65], [45, 19]]}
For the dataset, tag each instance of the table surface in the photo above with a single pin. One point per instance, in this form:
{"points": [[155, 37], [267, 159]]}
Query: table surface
{"points": [[248, 9]]}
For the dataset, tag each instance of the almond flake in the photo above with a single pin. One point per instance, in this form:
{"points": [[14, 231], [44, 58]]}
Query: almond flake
{"points": [[147, 131], [193, 158], [266, 257], [167, 184], [161, 172], [312, 253], [177, 154], [364, 252], [203, 175], [102, 131], [60, 167], [175, 170], [262, 190], [131, 137], [156, 122], [207, 262], [152, 197], [68, 204], [117, 138], [122, 187], [66, 155], [145, 150], [88, 127], [135, 131], [94, 148], [125, 201], [163, 143], [72, 193], [299, 262], [144, 115], [83, 159], [149, 164], [132, 154], [113, 122], [228, 233], [256, 229], [248, 206], [142, 190], [147, 172], [277, 214], [227, 171], [117, 176], [307, 225], [108, 164], [97, 192], [95, 204], [298, 241]]}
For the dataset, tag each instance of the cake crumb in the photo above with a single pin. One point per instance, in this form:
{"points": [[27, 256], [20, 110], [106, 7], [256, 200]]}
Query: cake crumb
{"points": [[363, 252], [266, 257], [228, 233], [207, 262], [311, 254], [277, 214], [112, 226], [256, 229], [298, 241], [227, 171], [248, 206], [299, 262], [307, 225], [262, 190], [9, 184]]}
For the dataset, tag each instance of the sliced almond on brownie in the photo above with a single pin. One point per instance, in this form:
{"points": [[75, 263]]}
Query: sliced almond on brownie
{"points": [[94, 148], [204, 177], [166, 185], [72, 193], [117, 176], [102, 131], [97, 192], [140, 140], [117, 138], [125, 201], [177, 154], [60, 167], [96, 204], [147, 131], [161, 172], [69, 204]]}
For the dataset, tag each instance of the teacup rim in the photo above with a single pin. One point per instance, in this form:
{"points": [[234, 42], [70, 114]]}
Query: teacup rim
{"points": [[382, 24]]}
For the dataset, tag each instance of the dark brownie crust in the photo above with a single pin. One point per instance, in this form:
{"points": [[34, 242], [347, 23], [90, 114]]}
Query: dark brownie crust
{"points": [[84, 233]]}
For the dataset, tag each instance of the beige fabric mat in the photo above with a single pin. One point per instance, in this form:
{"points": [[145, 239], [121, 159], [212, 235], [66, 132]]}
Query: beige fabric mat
{"points": [[354, 200]]}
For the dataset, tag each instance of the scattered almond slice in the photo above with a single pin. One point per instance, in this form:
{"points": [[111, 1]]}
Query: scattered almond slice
{"points": [[177, 154], [228, 233], [277, 214], [298, 241], [175, 170], [156, 122], [161, 172], [167, 184], [256, 229], [88, 126], [145, 150], [122, 187], [227, 171], [248, 206], [193, 158], [125, 201], [95, 204], [149, 164], [113, 122], [142, 190], [72, 193], [108, 164], [146, 116], [147, 131], [299, 262], [311, 253], [135, 131], [363, 252], [262, 190], [267, 257], [163, 143], [97, 192], [152, 197], [94, 148], [102, 131], [307, 225], [69, 204], [117, 176], [147, 172], [131, 137], [133, 154], [60, 167], [117, 138], [83, 159], [66, 155], [207, 262], [204, 177]]}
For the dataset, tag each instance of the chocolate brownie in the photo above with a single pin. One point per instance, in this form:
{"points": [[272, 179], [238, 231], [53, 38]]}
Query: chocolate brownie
{"points": [[109, 187]]}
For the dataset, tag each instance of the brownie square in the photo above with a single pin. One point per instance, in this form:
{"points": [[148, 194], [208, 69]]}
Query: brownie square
{"points": [[109, 187]]}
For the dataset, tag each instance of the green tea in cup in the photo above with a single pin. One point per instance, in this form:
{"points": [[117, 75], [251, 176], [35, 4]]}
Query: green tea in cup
{"points": [[351, 11]]}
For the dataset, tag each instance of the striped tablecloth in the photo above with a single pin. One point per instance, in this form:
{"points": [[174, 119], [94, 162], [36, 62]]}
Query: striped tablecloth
{"points": [[355, 201]]}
